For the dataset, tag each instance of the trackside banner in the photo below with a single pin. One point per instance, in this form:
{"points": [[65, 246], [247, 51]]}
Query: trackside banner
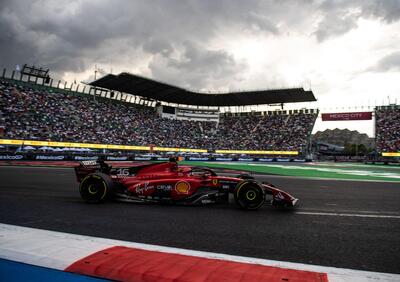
{"points": [[347, 116], [71, 145], [252, 152], [94, 146], [391, 154], [137, 148]]}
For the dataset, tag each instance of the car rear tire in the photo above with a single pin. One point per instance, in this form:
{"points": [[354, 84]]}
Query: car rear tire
{"points": [[96, 188], [249, 195]]}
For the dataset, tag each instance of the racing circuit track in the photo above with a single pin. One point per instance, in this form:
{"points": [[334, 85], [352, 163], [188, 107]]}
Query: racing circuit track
{"points": [[349, 224]]}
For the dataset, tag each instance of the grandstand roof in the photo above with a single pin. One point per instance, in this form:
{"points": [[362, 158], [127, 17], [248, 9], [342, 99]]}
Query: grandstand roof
{"points": [[159, 91]]}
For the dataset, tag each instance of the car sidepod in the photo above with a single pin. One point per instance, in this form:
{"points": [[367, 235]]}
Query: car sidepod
{"points": [[180, 191]]}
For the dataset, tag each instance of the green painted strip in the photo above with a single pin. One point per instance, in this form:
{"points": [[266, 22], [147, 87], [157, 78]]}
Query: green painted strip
{"points": [[312, 171]]}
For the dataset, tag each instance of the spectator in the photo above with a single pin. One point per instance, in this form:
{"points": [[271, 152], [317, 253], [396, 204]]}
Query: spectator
{"points": [[388, 130], [32, 114]]}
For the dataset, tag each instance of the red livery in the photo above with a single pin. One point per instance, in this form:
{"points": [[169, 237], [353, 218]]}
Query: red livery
{"points": [[169, 182]]}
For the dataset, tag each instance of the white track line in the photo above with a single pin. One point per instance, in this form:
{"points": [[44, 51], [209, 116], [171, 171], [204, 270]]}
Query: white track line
{"points": [[58, 250], [349, 214]]}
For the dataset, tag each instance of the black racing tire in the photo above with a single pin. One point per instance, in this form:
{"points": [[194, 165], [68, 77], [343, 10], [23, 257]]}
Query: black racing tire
{"points": [[249, 195], [96, 188], [245, 176]]}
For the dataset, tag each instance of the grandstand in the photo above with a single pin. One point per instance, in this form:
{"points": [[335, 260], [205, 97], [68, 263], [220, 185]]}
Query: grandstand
{"points": [[108, 119], [102, 117], [388, 128], [150, 112], [43, 113]]}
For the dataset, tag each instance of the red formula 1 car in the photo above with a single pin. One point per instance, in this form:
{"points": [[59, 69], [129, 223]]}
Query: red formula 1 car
{"points": [[169, 182]]}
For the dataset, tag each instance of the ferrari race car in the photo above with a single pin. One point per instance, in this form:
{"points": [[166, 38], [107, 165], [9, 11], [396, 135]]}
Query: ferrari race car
{"points": [[169, 182]]}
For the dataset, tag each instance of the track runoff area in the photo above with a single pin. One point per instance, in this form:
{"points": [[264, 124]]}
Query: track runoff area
{"points": [[346, 228]]}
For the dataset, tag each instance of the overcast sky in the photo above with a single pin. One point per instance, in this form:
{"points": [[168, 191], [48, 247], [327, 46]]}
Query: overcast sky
{"points": [[348, 52]]}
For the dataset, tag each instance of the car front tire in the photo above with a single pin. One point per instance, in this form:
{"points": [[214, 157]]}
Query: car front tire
{"points": [[249, 195]]}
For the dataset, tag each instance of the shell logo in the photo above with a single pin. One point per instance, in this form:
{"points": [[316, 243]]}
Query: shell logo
{"points": [[182, 187]]}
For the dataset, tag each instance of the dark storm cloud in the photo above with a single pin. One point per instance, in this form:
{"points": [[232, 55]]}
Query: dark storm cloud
{"points": [[199, 66], [340, 16], [155, 46], [72, 35], [176, 35], [386, 10], [388, 63], [335, 24]]}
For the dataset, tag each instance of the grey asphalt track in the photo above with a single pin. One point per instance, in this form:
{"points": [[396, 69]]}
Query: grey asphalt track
{"points": [[338, 223]]}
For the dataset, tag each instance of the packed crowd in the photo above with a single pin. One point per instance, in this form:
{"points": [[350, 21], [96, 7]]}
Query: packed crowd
{"points": [[388, 130], [279, 132], [31, 114]]}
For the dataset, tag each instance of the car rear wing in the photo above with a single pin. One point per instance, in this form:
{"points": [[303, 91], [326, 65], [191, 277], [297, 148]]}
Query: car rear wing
{"points": [[91, 166], [86, 167]]}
